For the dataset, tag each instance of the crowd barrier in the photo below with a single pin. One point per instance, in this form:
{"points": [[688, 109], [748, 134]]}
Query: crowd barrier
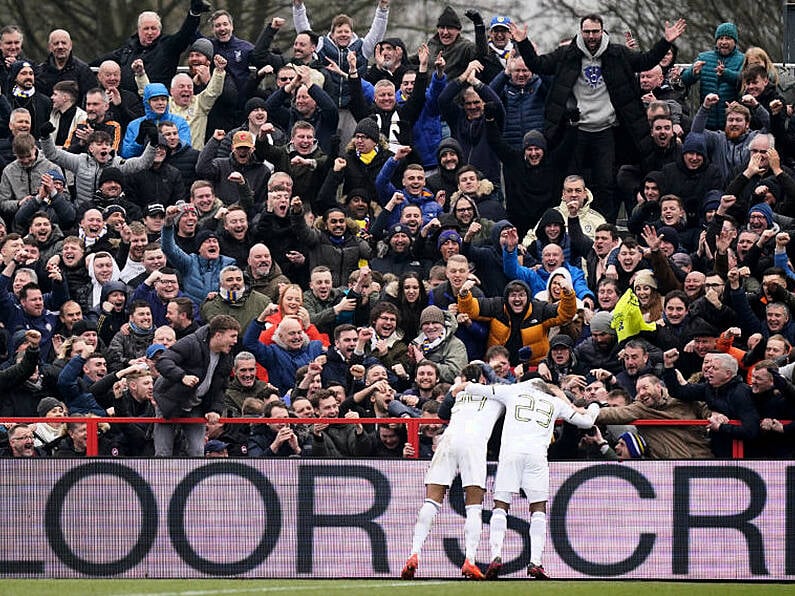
{"points": [[315, 518], [412, 425]]}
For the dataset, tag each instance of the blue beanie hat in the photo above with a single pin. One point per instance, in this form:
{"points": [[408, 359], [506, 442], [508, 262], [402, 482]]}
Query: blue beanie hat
{"points": [[636, 445], [727, 30], [765, 210], [695, 142]]}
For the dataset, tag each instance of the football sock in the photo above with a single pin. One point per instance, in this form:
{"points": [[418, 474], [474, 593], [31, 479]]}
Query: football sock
{"points": [[497, 527], [473, 526], [422, 528], [538, 536]]}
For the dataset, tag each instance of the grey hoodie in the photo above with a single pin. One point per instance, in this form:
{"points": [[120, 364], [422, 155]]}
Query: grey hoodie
{"points": [[590, 90]]}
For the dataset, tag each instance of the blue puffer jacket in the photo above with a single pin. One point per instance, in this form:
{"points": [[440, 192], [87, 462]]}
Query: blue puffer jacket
{"points": [[726, 86], [200, 276], [426, 201], [129, 148], [427, 131], [524, 106]]}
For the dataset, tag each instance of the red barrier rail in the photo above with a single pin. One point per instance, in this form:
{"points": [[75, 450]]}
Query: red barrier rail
{"points": [[412, 426]]}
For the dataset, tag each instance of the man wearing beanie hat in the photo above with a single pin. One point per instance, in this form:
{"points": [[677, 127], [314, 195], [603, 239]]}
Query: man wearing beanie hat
{"points": [[448, 244], [601, 349], [399, 257], [692, 176], [531, 180], [599, 104], [457, 51], [437, 343], [201, 271], [369, 128], [22, 93], [256, 113], [718, 71]]}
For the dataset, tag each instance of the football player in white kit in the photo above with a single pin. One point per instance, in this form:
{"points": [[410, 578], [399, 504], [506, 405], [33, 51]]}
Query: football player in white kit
{"points": [[462, 449], [531, 409]]}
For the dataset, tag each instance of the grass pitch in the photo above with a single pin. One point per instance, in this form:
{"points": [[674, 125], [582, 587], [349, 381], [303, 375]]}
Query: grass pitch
{"points": [[221, 587]]}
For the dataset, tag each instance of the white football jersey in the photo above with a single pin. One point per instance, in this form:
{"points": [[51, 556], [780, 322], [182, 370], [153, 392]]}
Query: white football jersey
{"points": [[473, 418], [530, 415]]}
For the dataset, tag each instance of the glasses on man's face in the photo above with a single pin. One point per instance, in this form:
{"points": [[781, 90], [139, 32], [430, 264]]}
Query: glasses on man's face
{"points": [[464, 209], [167, 282], [285, 79], [22, 438]]}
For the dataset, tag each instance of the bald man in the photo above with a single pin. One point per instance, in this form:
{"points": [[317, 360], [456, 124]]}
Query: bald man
{"points": [[62, 65]]}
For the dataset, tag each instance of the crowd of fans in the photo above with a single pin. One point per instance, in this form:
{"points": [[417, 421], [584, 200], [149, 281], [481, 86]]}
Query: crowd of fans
{"points": [[338, 229]]}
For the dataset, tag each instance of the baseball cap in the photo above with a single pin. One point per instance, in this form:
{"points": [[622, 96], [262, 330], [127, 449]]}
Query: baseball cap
{"points": [[155, 209], [500, 21], [214, 446], [243, 138], [155, 349]]}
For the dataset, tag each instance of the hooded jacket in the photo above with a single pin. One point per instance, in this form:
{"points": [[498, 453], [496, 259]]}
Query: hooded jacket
{"points": [[488, 260], [528, 328], [446, 179], [130, 147]]}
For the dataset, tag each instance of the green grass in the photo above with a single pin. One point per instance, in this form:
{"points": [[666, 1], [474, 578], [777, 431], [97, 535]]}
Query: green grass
{"points": [[220, 587]]}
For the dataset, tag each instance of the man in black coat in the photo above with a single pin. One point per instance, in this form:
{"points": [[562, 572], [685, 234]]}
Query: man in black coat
{"points": [[193, 376], [160, 53], [599, 77]]}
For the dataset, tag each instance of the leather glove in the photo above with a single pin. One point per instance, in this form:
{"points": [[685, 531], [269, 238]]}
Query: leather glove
{"points": [[474, 16]]}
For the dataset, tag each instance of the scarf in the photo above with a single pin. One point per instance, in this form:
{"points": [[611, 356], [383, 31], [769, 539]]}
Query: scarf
{"points": [[367, 157], [428, 346], [20, 92], [232, 296], [140, 331]]}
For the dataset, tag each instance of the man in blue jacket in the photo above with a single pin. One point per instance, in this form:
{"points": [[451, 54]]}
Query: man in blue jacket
{"points": [[156, 111], [201, 273]]}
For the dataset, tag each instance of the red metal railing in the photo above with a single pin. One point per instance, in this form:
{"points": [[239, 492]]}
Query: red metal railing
{"points": [[412, 426]]}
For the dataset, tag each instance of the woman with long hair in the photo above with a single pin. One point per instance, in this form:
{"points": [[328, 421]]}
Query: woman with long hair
{"points": [[411, 299]]}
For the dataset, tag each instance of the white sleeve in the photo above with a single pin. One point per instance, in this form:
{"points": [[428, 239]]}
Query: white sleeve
{"points": [[579, 420], [479, 390]]}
